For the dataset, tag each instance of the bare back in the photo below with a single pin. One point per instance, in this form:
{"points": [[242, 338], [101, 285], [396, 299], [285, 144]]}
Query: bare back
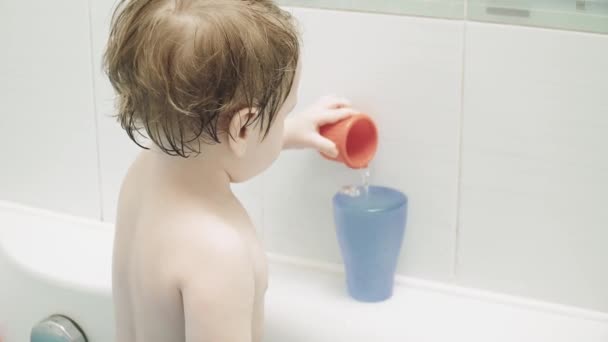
{"points": [[159, 235]]}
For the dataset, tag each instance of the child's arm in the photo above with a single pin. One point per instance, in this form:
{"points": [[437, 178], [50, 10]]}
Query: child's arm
{"points": [[302, 129], [218, 290]]}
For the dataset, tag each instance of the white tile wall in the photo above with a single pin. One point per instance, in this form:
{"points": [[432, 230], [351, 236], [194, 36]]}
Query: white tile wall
{"points": [[535, 166], [47, 126], [406, 72]]}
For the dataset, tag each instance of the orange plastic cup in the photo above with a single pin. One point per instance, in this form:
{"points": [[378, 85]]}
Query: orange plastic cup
{"points": [[356, 138]]}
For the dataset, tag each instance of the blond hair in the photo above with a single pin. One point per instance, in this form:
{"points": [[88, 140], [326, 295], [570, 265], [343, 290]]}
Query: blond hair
{"points": [[182, 68]]}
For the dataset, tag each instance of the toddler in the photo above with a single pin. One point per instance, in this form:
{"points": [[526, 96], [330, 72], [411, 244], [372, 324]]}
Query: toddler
{"points": [[205, 87]]}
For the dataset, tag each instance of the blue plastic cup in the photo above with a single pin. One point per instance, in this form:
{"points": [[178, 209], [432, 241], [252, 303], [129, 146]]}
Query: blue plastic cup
{"points": [[370, 227]]}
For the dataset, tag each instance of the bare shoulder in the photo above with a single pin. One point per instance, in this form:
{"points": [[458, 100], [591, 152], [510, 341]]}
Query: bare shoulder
{"points": [[208, 246], [216, 280]]}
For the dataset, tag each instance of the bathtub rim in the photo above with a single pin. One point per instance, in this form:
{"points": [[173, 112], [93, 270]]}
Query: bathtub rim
{"points": [[402, 282]]}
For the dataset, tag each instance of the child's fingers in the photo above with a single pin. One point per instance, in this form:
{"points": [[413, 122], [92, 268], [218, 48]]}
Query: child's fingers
{"points": [[324, 145], [335, 115]]}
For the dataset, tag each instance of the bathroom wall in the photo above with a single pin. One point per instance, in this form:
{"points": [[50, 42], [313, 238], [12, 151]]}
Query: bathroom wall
{"points": [[535, 164], [47, 118], [496, 133]]}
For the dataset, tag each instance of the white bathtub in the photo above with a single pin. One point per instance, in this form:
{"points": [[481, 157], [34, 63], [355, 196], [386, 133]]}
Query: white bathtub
{"points": [[52, 263]]}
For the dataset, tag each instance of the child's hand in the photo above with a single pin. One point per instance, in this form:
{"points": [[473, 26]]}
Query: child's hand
{"points": [[302, 129]]}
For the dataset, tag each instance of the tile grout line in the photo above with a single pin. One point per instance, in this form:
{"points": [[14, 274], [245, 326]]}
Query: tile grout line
{"points": [[95, 106], [457, 220]]}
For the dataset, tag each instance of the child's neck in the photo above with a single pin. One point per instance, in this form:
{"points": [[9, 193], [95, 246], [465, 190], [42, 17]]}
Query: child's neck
{"points": [[200, 176]]}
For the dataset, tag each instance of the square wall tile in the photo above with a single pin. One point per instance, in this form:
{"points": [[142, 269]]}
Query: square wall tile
{"points": [[47, 119], [534, 174], [406, 73]]}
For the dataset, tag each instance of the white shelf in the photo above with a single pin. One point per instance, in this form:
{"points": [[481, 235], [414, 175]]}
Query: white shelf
{"points": [[587, 16], [559, 14]]}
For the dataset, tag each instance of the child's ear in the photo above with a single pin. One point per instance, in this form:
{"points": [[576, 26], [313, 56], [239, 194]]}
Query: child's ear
{"points": [[240, 131]]}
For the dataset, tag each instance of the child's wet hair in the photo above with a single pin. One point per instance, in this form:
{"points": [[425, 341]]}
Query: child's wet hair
{"points": [[182, 68]]}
